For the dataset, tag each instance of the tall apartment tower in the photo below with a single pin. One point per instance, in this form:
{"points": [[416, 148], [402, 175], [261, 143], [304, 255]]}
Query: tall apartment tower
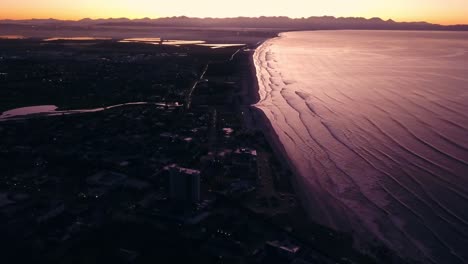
{"points": [[184, 184]]}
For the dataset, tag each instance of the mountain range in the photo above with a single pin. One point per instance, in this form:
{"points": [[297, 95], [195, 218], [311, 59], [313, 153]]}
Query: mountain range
{"points": [[310, 23]]}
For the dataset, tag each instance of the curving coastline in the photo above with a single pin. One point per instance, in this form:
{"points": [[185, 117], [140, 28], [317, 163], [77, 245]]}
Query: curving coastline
{"points": [[386, 171], [336, 220]]}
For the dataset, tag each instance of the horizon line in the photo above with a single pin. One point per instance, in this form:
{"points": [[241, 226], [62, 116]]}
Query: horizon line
{"points": [[229, 17]]}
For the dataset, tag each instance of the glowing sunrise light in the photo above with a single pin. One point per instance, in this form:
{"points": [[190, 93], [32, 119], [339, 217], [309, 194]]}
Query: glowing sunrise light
{"points": [[436, 11]]}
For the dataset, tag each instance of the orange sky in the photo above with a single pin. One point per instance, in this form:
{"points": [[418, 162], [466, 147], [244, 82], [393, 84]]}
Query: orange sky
{"points": [[436, 11]]}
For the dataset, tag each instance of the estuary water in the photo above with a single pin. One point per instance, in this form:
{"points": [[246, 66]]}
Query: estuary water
{"points": [[52, 110], [375, 125]]}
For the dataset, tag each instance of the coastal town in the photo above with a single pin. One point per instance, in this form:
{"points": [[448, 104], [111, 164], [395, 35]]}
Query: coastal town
{"points": [[150, 150]]}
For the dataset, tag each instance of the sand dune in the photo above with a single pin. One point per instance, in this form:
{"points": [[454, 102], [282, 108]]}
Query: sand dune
{"points": [[376, 125]]}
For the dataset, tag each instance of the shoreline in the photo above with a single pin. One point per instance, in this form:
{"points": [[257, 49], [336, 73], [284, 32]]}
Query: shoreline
{"points": [[368, 247], [264, 124]]}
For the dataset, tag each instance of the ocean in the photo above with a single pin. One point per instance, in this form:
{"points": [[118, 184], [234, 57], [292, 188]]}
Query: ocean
{"points": [[375, 127]]}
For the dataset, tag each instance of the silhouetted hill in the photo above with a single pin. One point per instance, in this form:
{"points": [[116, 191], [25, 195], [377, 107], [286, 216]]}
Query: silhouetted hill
{"points": [[286, 23]]}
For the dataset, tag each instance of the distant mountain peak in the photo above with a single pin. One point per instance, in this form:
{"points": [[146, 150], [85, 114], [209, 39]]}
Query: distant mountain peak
{"points": [[274, 22]]}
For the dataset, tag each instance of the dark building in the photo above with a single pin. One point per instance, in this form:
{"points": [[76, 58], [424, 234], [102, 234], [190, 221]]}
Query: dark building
{"points": [[184, 184]]}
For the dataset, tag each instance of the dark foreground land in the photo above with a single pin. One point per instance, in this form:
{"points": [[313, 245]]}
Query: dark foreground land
{"points": [[94, 187]]}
